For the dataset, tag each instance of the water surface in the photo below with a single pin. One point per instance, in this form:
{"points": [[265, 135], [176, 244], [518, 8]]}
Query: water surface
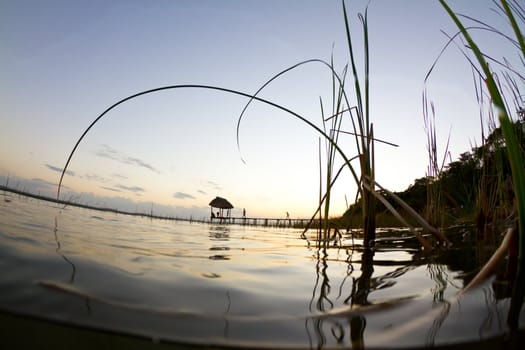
{"points": [[234, 285]]}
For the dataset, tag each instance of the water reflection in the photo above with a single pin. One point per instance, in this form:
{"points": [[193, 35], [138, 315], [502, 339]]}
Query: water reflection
{"points": [[437, 322], [322, 283], [219, 233], [437, 273], [219, 257], [238, 285], [356, 296], [73, 267], [71, 281], [451, 318], [359, 295], [348, 309]]}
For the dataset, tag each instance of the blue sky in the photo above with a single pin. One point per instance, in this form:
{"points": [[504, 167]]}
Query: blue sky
{"points": [[64, 62]]}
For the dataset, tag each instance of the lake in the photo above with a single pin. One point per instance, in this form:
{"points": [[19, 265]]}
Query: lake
{"points": [[84, 277]]}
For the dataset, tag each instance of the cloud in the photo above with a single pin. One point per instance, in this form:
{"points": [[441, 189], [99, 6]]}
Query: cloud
{"points": [[202, 192], [94, 177], [134, 189], [110, 153], [119, 176], [213, 185], [138, 162], [110, 189], [182, 195], [59, 170]]}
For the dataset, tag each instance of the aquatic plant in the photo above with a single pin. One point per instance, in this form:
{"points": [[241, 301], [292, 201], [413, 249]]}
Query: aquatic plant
{"points": [[362, 129], [434, 210], [334, 126], [514, 151]]}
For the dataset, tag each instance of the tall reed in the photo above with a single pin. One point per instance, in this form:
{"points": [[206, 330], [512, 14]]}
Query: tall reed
{"points": [[434, 211], [365, 138], [332, 126], [514, 151]]}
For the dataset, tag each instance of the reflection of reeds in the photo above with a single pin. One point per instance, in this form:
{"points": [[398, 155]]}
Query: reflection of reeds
{"points": [[437, 322], [73, 267], [362, 286], [322, 283], [437, 273], [320, 292]]}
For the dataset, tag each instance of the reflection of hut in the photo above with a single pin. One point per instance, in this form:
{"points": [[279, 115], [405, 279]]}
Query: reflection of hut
{"points": [[223, 205]]}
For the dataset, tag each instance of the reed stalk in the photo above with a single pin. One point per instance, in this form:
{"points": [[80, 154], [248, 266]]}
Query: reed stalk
{"points": [[362, 127], [201, 87], [513, 148], [365, 128], [434, 211]]}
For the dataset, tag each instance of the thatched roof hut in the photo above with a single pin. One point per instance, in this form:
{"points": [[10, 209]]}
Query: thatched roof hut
{"points": [[221, 204]]}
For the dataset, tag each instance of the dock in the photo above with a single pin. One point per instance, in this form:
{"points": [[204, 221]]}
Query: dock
{"points": [[269, 222]]}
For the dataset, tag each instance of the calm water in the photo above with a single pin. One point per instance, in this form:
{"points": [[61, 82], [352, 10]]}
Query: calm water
{"points": [[232, 285]]}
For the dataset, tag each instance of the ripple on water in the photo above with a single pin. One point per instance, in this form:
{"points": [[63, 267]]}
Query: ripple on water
{"points": [[234, 285]]}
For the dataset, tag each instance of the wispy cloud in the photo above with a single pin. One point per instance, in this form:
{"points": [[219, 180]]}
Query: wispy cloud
{"points": [[110, 189], [134, 189], [138, 162], [119, 176], [202, 192], [110, 153], [182, 195], [59, 170], [213, 185], [94, 177]]}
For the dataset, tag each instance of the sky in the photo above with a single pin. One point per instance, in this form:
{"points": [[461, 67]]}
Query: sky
{"points": [[63, 63]]}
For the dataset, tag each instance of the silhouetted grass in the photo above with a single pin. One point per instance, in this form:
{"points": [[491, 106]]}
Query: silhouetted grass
{"points": [[514, 151], [366, 132], [435, 209]]}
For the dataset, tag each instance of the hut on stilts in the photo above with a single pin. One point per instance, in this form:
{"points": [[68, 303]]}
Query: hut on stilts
{"points": [[224, 208]]}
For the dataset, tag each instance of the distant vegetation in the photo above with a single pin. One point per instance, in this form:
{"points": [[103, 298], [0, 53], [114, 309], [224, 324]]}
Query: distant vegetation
{"points": [[475, 189]]}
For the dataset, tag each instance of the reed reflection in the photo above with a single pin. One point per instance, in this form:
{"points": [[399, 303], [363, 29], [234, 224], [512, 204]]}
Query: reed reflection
{"points": [[347, 325], [57, 250], [343, 301], [359, 296], [320, 294], [71, 281]]}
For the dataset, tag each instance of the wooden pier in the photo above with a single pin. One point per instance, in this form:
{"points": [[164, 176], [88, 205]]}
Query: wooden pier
{"points": [[270, 222]]}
